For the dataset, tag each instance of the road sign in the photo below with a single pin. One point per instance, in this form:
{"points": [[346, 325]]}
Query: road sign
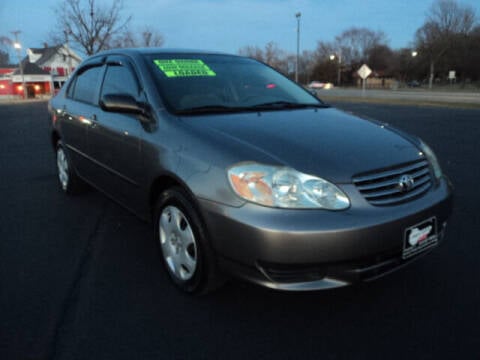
{"points": [[364, 71]]}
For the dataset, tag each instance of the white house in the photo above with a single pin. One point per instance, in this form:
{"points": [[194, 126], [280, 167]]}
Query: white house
{"points": [[59, 61]]}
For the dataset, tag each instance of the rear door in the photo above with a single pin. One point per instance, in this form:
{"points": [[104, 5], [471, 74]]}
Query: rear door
{"points": [[78, 113]]}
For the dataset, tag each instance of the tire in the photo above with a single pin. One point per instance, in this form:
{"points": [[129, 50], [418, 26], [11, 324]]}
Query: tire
{"points": [[183, 244], [69, 181]]}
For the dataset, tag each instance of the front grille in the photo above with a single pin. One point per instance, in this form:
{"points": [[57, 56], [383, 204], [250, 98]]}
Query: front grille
{"points": [[384, 187]]}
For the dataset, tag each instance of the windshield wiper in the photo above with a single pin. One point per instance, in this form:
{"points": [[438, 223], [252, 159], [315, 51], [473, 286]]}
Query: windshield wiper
{"points": [[281, 105], [210, 109], [222, 109]]}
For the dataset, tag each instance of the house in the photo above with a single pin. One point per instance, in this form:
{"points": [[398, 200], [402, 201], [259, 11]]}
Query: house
{"points": [[45, 70], [59, 61], [37, 81]]}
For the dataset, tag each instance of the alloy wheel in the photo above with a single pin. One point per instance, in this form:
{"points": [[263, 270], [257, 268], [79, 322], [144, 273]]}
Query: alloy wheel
{"points": [[62, 167], [178, 243]]}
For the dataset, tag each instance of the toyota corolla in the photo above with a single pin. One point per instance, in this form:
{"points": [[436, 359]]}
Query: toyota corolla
{"points": [[242, 172]]}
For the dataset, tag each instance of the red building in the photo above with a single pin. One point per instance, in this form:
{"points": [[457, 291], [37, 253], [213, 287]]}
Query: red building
{"points": [[44, 72], [6, 86], [38, 82]]}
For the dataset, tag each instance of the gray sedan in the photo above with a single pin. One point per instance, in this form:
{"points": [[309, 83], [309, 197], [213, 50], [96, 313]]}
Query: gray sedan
{"points": [[242, 172]]}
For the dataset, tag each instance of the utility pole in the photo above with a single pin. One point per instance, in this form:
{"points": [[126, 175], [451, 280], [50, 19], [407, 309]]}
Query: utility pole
{"points": [[339, 74], [18, 47], [338, 55], [297, 15], [69, 54]]}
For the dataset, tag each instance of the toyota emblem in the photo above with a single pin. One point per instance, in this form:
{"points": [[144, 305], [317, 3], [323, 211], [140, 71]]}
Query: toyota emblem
{"points": [[405, 182]]}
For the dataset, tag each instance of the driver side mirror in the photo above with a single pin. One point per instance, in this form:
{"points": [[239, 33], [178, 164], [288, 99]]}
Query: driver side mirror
{"points": [[122, 103]]}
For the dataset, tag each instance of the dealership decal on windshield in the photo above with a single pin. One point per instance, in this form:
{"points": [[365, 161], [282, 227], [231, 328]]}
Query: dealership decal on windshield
{"points": [[184, 68]]}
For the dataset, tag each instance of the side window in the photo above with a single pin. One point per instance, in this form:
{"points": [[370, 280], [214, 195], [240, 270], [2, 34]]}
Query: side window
{"points": [[120, 80], [86, 85], [71, 88]]}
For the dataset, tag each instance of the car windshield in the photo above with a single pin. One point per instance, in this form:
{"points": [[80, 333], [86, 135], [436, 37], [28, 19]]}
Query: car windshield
{"points": [[201, 83]]}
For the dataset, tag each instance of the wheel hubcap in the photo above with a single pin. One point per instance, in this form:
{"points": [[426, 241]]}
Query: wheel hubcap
{"points": [[178, 243], [62, 166]]}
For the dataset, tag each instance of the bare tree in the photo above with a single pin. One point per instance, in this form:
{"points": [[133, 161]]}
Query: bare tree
{"points": [[276, 57], [253, 52], [5, 43], [271, 55], [355, 44], [350, 49], [472, 67], [322, 67], [451, 17], [446, 20], [4, 58], [306, 66], [380, 58], [89, 25], [148, 37], [324, 50], [151, 38]]}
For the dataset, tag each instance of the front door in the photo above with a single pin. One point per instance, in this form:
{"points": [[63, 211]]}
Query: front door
{"points": [[115, 141]]}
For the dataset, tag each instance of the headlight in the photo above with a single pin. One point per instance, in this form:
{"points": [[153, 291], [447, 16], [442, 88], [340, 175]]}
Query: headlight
{"points": [[432, 159], [284, 188]]}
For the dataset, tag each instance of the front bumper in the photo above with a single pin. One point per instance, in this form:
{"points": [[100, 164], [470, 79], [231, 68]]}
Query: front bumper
{"points": [[317, 249]]}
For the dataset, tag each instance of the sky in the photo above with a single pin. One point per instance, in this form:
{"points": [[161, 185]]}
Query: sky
{"points": [[228, 25]]}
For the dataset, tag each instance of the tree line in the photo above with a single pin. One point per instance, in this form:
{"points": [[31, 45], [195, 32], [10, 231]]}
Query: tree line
{"points": [[89, 27], [448, 40]]}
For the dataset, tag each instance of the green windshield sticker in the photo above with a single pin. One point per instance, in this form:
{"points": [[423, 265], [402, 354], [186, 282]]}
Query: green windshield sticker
{"points": [[184, 68]]}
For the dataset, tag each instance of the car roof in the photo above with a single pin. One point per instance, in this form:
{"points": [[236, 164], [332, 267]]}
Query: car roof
{"points": [[154, 50]]}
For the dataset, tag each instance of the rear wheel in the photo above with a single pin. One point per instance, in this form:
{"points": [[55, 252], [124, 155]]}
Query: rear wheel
{"points": [[70, 183], [183, 244]]}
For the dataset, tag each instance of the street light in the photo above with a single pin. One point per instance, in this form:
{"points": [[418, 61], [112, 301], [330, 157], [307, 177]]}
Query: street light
{"points": [[18, 47], [297, 15], [339, 72], [413, 54]]}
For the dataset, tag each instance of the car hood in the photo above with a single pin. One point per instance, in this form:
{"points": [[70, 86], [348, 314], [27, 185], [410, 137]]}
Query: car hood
{"points": [[324, 142]]}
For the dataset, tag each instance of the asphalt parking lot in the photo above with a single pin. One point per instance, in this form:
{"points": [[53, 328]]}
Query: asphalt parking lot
{"points": [[80, 277]]}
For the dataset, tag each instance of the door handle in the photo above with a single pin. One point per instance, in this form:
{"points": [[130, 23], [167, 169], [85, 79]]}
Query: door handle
{"points": [[93, 123]]}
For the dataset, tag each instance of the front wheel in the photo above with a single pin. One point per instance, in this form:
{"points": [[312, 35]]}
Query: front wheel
{"points": [[183, 244]]}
